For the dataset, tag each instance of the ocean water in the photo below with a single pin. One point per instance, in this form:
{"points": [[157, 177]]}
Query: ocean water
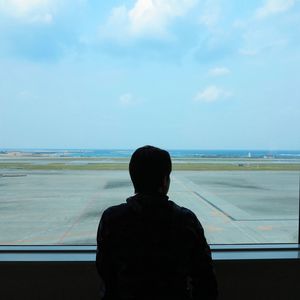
{"points": [[177, 153]]}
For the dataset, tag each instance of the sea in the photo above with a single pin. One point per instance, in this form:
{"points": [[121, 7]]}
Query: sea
{"points": [[175, 153]]}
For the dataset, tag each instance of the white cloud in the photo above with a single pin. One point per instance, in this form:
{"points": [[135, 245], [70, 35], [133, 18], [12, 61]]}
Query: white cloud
{"points": [[40, 11], [24, 94], [146, 17], [272, 7], [22, 7], [42, 18], [219, 71], [127, 99], [262, 41], [248, 52], [211, 94], [211, 13]]}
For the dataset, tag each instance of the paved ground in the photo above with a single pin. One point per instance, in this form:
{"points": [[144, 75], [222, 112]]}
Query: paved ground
{"points": [[64, 207]]}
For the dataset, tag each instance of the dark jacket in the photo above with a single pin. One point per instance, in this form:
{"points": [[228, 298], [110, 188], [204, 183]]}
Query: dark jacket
{"points": [[151, 248]]}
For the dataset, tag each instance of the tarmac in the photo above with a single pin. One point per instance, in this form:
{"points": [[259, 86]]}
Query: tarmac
{"points": [[64, 207]]}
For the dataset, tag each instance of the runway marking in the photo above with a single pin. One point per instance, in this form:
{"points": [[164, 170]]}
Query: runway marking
{"points": [[212, 228], [233, 221], [77, 220], [228, 215], [223, 213], [265, 227], [237, 220], [215, 206]]}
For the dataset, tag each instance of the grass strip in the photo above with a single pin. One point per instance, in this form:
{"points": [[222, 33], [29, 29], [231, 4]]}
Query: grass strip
{"points": [[176, 166]]}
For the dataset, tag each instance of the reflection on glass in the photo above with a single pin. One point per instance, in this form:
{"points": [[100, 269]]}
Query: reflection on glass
{"points": [[190, 74], [57, 197]]}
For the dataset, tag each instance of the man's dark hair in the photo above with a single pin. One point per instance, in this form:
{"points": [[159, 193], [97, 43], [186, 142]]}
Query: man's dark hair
{"points": [[148, 167]]}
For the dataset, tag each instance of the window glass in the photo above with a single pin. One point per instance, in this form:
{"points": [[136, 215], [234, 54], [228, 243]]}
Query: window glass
{"points": [[84, 83]]}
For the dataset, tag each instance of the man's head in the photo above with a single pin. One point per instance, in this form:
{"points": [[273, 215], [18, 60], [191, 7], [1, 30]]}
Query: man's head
{"points": [[149, 169]]}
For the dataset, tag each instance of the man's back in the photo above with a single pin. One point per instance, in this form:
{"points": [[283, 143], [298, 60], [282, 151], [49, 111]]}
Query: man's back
{"points": [[150, 248]]}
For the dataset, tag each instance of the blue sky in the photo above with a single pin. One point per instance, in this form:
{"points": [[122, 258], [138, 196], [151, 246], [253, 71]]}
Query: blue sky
{"points": [[178, 74]]}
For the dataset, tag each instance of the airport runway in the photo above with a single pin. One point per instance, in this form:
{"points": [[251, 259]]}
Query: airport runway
{"points": [[64, 207]]}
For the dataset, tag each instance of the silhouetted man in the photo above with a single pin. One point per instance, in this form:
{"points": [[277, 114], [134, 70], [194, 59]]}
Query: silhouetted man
{"points": [[149, 247]]}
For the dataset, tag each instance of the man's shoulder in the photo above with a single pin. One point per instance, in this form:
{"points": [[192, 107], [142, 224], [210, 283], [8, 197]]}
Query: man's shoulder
{"points": [[183, 211], [185, 217], [123, 211], [115, 211]]}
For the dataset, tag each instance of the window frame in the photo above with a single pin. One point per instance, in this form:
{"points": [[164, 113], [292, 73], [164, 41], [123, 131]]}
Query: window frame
{"points": [[87, 253]]}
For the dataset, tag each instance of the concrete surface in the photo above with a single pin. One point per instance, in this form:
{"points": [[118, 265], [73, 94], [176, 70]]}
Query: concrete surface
{"points": [[64, 207]]}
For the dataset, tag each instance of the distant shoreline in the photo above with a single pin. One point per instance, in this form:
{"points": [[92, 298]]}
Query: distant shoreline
{"points": [[29, 163], [126, 153]]}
